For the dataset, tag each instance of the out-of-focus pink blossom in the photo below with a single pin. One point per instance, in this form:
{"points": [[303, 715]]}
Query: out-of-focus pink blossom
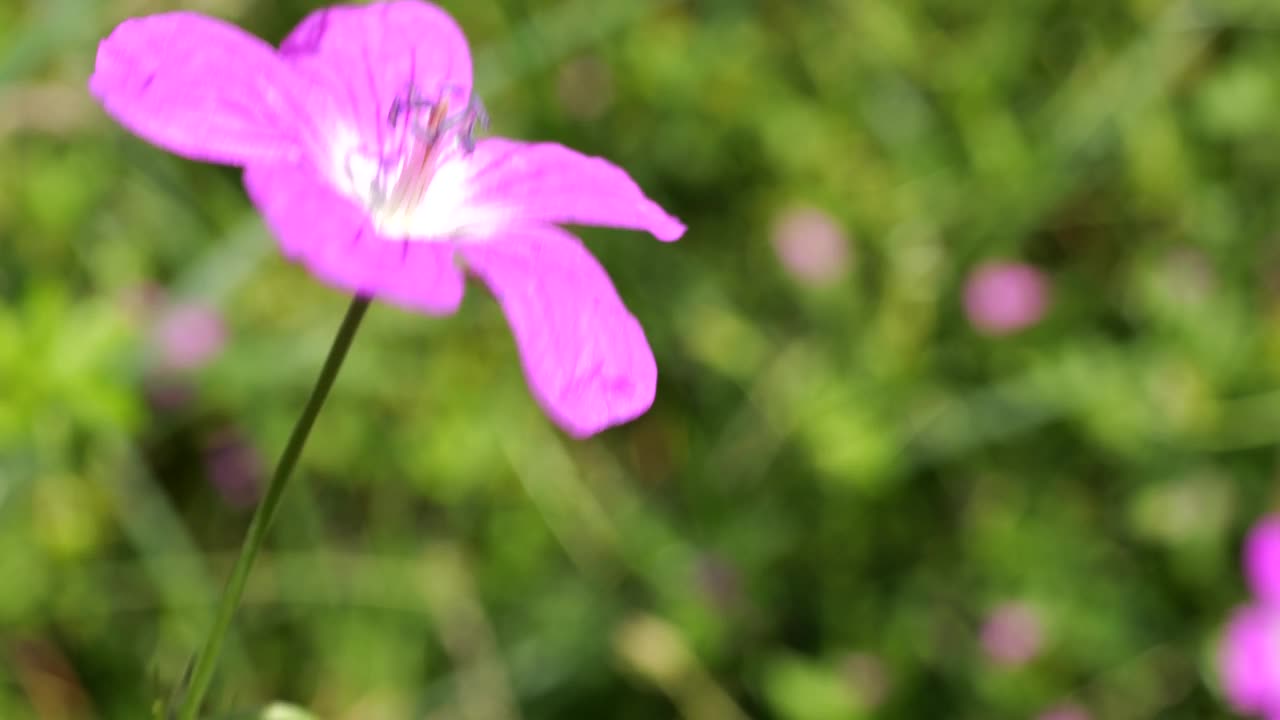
{"points": [[187, 336], [1262, 560], [812, 246], [1002, 298], [1249, 651], [1012, 634], [1249, 660], [1065, 711], [234, 468]]}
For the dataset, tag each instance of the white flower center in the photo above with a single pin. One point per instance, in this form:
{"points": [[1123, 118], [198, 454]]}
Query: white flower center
{"points": [[417, 185]]}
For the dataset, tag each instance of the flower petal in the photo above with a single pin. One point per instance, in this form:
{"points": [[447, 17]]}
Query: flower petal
{"points": [[364, 57], [1249, 661], [1262, 559], [585, 356], [334, 239], [198, 87], [546, 182]]}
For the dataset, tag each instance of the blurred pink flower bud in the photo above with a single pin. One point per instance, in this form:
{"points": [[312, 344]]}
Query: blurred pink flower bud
{"points": [[234, 467], [1249, 660], [187, 336], [1065, 711], [812, 246], [1012, 634], [1001, 298], [1262, 560]]}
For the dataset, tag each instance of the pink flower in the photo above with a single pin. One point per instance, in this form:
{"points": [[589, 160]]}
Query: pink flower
{"points": [[1001, 298], [357, 143], [811, 246], [1012, 634], [234, 467], [187, 336], [1262, 560], [1249, 661]]}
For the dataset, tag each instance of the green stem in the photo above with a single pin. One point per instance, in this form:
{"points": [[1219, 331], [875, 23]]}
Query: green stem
{"points": [[207, 660]]}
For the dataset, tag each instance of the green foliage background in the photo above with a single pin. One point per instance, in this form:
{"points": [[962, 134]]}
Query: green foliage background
{"points": [[834, 486]]}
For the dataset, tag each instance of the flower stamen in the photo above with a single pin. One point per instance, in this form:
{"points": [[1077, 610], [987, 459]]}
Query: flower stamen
{"points": [[425, 135]]}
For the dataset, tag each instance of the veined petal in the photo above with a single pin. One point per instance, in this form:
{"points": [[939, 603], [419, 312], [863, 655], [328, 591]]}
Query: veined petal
{"points": [[549, 183], [199, 87], [334, 239], [585, 356], [366, 57]]}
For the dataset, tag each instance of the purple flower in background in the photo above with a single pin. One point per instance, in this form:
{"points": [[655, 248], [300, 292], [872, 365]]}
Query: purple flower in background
{"points": [[233, 467], [1262, 560], [187, 336], [357, 143], [1001, 298], [811, 246], [1249, 653], [1012, 634], [1249, 660]]}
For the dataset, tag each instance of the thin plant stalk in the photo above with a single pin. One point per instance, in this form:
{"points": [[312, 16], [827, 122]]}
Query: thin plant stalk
{"points": [[207, 660]]}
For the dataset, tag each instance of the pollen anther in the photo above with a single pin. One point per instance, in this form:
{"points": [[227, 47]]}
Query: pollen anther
{"points": [[424, 136]]}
